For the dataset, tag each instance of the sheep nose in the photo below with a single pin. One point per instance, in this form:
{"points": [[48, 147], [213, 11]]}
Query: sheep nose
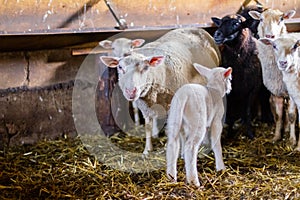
{"points": [[270, 36], [131, 92]]}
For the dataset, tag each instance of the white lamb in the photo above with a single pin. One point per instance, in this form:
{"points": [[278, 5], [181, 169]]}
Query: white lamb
{"points": [[196, 109], [287, 53], [272, 26], [152, 73]]}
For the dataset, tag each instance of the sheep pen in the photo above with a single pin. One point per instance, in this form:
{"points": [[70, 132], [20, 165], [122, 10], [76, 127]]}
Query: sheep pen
{"points": [[65, 169]]}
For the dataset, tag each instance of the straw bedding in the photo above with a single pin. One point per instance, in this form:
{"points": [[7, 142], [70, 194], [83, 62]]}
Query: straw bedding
{"points": [[66, 169]]}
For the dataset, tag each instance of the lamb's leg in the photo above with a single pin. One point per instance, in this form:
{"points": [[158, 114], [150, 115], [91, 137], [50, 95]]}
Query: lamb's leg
{"points": [[216, 131], [292, 121], [277, 103], [172, 155], [191, 147], [136, 114]]}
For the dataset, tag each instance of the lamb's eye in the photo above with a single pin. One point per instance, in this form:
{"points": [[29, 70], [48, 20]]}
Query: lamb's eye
{"points": [[274, 47]]}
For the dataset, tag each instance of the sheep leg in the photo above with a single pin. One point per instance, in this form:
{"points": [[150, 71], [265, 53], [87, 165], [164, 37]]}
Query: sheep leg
{"points": [[277, 103], [148, 146], [298, 145], [292, 121], [172, 156], [216, 131], [136, 114], [249, 129], [155, 130]]}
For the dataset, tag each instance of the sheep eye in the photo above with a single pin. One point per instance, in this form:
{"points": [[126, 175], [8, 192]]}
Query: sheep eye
{"points": [[274, 47]]}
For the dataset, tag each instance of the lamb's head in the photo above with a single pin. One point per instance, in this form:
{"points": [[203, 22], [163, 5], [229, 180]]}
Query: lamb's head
{"points": [[133, 73], [286, 51], [228, 28], [271, 23], [121, 46], [218, 77]]}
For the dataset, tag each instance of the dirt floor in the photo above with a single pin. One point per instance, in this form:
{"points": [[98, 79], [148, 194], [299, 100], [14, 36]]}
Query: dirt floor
{"points": [[66, 169]]}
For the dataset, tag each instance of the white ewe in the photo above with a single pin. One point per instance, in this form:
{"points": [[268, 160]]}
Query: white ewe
{"points": [[196, 109], [287, 53], [122, 47], [272, 26], [152, 73]]}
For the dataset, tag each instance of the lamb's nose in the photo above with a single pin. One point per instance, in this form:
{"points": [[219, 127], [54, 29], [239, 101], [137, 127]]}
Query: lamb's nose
{"points": [[270, 36], [131, 92]]}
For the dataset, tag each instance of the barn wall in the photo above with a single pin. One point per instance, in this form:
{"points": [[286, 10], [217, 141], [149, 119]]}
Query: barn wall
{"points": [[36, 95]]}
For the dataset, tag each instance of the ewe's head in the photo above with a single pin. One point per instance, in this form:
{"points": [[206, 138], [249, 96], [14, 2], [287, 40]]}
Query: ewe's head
{"points": [[133, 70], [121, 46], [271, 22], [286, 51], [228, 28], [217, 77]]}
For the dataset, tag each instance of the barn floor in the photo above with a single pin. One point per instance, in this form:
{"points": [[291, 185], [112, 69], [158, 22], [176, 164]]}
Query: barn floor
{"points": [[65, 169]]}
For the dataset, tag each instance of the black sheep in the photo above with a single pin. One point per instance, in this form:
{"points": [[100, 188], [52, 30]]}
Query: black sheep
{"points": [[238, 49]]}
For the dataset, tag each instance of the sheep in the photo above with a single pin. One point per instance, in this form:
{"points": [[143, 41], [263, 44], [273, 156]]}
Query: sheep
{"points": [[194, 110], [287, 54], [155, 71], [239, 51], [122, 47], [272, 26]]}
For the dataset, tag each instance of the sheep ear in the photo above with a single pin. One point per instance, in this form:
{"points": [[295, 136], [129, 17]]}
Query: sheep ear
{"points": [[254, 14], [109, 61], [216, 21], [154, 60], [228, 72], [288, 14], [202, 69], [106, 44], [137, 42]]}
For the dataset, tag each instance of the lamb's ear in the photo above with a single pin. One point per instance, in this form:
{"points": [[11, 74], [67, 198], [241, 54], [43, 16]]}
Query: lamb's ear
{"points": [[254, 14], [109, 61], [202, 69], [288, 14], [228, 72], [106, 44], [217, 21], [154, 61], [137, 42]]}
